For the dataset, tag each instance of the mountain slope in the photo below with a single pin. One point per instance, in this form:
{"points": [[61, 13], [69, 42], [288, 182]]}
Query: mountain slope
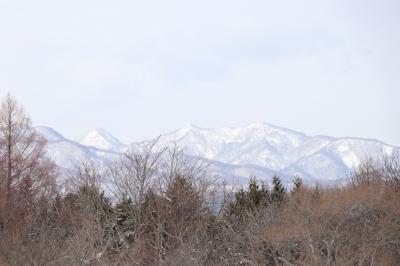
{"points": [[66, 153], [258, 143], [101, 139], [278, 150], [258, 149]]}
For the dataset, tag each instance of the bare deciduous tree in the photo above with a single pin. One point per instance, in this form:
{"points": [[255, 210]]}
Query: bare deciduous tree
{"points": [[133, 174], [391, 170], [367, 173], [24, 169]]}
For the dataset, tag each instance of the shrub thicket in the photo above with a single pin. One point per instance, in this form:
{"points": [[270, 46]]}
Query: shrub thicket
{"points": [[161, 212]]}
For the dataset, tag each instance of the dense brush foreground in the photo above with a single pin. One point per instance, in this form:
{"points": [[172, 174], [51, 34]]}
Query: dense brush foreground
{"points": [[162, 209]]}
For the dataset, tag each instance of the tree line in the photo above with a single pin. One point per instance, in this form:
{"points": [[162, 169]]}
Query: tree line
{"points": [[162, 208]]}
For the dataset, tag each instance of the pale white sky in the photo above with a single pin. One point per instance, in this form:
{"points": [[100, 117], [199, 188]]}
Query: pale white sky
{"points": [[141, 68]]}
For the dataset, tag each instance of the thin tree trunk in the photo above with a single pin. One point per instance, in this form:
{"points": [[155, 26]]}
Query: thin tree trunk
{"points": [[9, 162]]}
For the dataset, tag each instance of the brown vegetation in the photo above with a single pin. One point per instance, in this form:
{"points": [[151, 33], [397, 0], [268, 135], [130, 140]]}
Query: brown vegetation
{"points": [[163, 212]]}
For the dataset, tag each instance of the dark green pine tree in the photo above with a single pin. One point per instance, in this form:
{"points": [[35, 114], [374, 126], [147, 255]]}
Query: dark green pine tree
{"points": [[254, 195], [257, 197], [265, 193], [297, 184], [239, 205], [278, 193], [250, 200], [123, 225], [124, 212]]}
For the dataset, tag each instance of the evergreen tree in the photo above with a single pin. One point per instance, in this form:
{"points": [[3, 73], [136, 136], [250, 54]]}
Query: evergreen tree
{"points": [[297, 184], [254, 195], [240, 204], [265, 192], [254, 198], [278, 193], [125, 215], [123, 225]]}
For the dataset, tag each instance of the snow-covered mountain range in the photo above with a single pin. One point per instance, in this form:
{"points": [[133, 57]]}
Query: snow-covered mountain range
{"points": [[235, 154]]}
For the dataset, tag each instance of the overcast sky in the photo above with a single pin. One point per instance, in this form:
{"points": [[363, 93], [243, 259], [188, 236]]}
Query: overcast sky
{"points": [[141, 68]]}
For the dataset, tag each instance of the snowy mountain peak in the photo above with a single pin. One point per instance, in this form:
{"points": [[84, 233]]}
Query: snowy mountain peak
{"points": [[101, 139], [257, 149]]}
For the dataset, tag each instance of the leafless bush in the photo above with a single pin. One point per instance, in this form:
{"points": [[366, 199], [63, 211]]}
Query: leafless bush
{"points": [[372, 172], [367, 173], [390, 173]]}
